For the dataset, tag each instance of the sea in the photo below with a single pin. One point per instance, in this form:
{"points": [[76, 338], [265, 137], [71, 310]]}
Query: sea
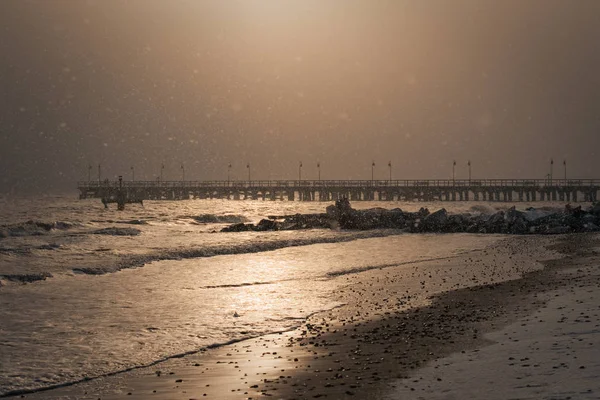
{"points": [[87, 291]]}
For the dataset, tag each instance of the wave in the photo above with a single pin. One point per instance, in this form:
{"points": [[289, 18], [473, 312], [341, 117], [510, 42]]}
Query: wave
{"points": [[482, 209], [358, 270], [136, 261], [234, 285], [247, 336], [14, 251], [218, 219], [134, 222], [34, 228], [114, 231], [26, 278]]}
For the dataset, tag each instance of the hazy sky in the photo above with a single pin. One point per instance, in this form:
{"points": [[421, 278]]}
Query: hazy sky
{"points": [[507, 84]]}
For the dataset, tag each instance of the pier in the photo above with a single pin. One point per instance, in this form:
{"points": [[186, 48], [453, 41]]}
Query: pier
{"points": [[501, 190]]}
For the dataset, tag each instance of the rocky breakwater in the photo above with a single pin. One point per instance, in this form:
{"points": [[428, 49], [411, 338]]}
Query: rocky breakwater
{"points": [[510, 221]]}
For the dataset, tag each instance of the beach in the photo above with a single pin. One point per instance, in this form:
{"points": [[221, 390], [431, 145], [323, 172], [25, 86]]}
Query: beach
{"points": [[299, 199], [418, 332]]}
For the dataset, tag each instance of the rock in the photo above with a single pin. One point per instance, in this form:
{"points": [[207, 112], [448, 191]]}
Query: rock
{"points": [[332, 211], [423, 212], [517, 221], [342, 215], [307, 221], [576, 212], [519, 227], [240, 227], [595, 209], [458, 223], [512, 215], [557, 230], [496, 223], [436, 221], [267, 225]]}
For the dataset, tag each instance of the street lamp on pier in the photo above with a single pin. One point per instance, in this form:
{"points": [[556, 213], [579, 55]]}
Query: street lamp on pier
{"points": [[89, 172], [319, 170], [248, 166], [551, 168], [372, 171], [182, 172], [565, 165], [99, 173], [228, 173], [300, 171], [162, 167], [132, 174], [454, 173], [469, 164], [390, 167]]}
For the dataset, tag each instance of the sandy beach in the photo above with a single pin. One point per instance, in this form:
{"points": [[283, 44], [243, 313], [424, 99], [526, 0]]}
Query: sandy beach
{"points": [[474, 329]]}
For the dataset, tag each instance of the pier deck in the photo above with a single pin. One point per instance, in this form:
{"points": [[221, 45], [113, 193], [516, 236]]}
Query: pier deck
{"points": [[509, 190]]}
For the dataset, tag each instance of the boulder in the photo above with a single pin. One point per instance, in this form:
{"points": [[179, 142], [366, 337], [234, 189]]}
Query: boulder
{"points": [[436, 221], [517, 221], [556, 230], [576, 212], [239, 227], [512, 215], [267, 225], [496, 223], [423, 212]]}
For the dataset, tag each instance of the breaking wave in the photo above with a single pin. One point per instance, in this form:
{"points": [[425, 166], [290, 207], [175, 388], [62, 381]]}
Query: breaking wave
{"points": [[135, 261], [34, 228], [358, 270], [26, 278], [218, 219], [292, 324], [114, 231], [234, 285]]}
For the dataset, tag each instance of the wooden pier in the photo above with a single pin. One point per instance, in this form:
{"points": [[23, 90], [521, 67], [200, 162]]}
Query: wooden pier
{"points": [[503, 190]]}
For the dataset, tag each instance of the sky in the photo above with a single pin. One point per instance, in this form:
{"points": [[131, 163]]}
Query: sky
{"points": [[506, 84]]}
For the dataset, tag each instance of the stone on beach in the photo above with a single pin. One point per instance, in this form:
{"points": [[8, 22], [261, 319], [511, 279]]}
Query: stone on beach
{"points": [[512, 221]]}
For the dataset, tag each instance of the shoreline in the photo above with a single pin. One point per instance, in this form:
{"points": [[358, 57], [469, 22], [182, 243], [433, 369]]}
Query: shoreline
{"points": [[338, 354]]}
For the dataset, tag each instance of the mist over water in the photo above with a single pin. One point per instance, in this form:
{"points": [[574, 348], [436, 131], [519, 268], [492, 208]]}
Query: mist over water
{"points": [[507, 85]]}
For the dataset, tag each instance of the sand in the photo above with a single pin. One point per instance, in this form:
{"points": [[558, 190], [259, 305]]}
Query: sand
{"points": [[488, 339]]}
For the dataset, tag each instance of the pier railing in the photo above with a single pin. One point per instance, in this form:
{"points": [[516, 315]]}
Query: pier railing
{"points": [[447, 183]]}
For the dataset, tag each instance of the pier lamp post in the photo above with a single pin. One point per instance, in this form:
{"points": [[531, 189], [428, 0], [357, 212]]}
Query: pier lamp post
{"points": [[319, 170], [300, 171], [390, 167], [89, 172], [551, 168], [162, 168], [372, 171], [99, 173], [182, 172], [132, 173], [565, 165], [248, 166], [228, 173], [454, 173], [469, 164]]}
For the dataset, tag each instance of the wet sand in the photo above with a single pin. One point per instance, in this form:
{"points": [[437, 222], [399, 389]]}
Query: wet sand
{"points": [[392, 333]]}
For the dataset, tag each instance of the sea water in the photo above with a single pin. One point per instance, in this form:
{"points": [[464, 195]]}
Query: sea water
{"points": [[87, 291]]}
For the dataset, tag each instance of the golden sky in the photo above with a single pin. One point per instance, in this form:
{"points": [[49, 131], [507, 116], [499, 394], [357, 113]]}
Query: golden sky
{"points": [[508, 84]]}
